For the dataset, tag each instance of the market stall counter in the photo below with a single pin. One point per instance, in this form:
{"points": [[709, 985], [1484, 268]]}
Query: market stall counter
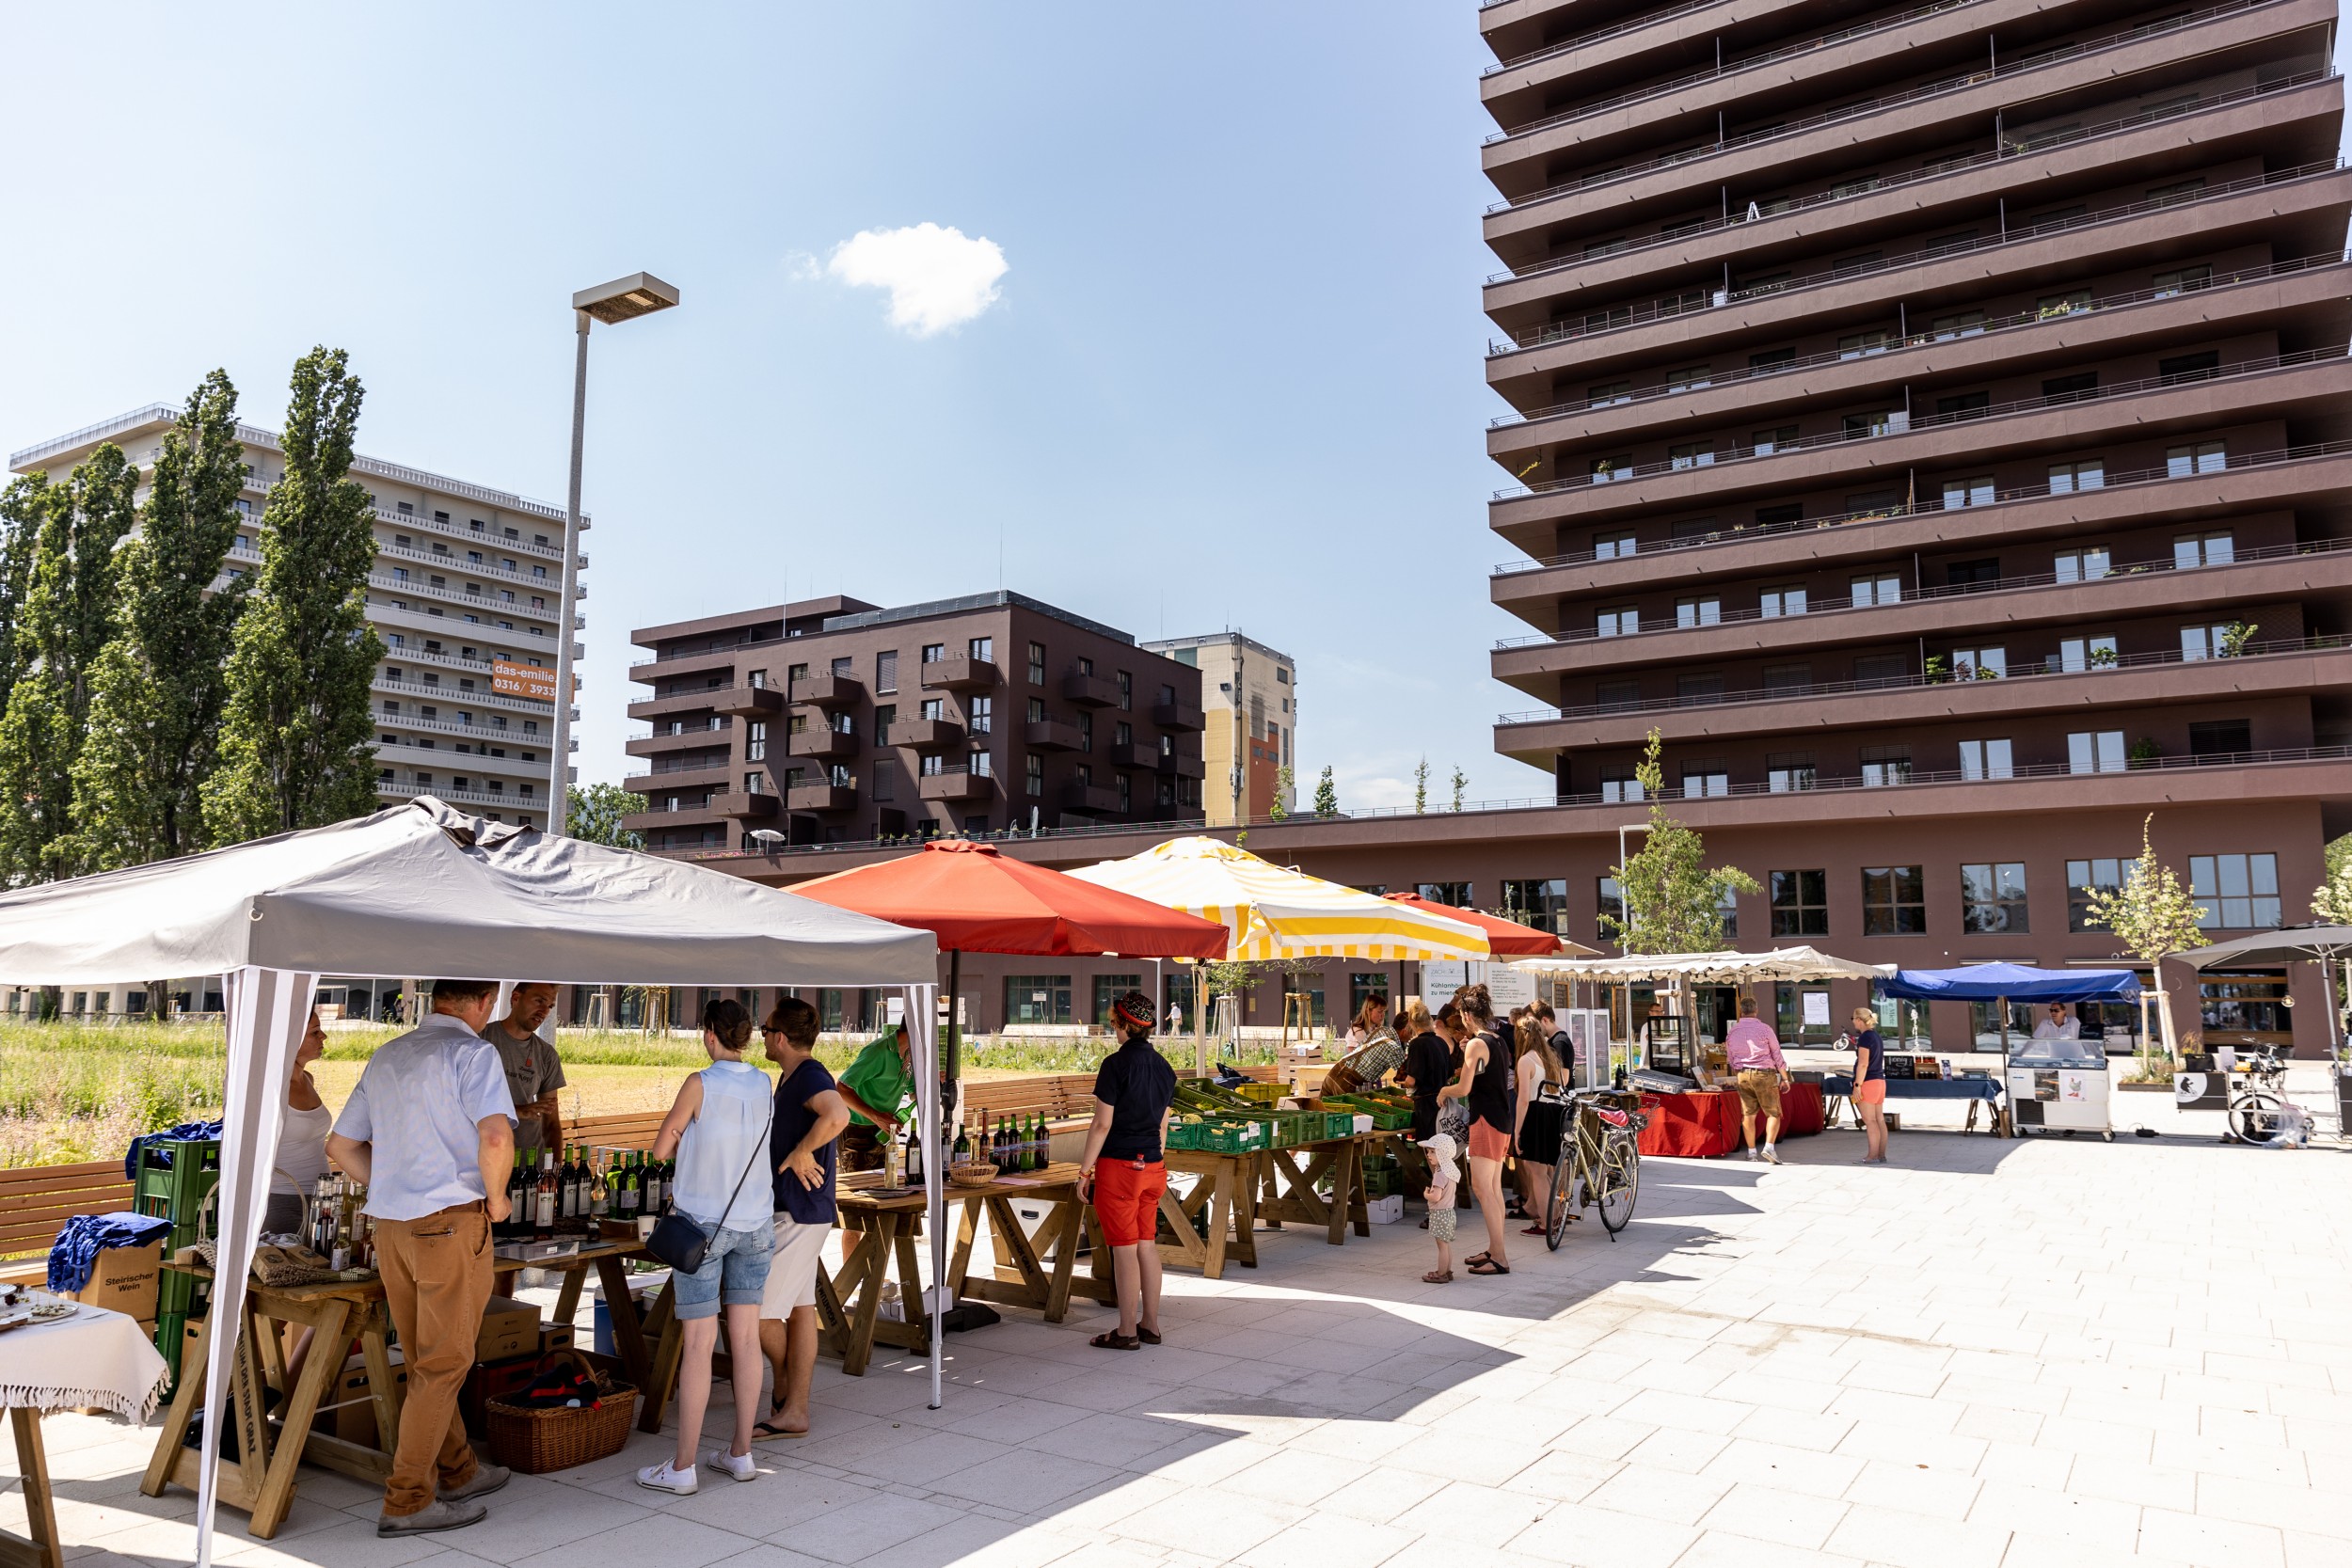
{"points": [[58, 1355], [1975, 1091], [1704, 1124]]}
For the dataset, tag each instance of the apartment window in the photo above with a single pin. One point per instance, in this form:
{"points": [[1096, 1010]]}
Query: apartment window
{"points": [[1122, 734], [2203, 549], [1619, 784], [2090, 474], [885, 715], [1037, 711], [2071, 388], [1690, 455], [1617, 696], [1777, 602], [1617, 622], [1992, 898], [933, 652], [1704, 782], [1780, 517], [1800, 902], [1608, 394], [2203, 642], [2094, 751], [1605, 470], [2221, 738], [2182, 282], [756, 680], [1985, 759], [1959, 493], [1033, 774], [754, 783], [932, 764], [1771, 358], [1037, 999], [1698, 689], [1766, 442], [1857, 344], [1963, 405], [981, 765], [2235, 892], [1699, 612], [2095, 652], [886, 672], [981, 648], [1871, 591], [1894, 901], [756, 740], [1882, 765], [2088, 564], [2189, 366], [2197, 457], [1612, 547], [935, 708], [1787, 773], [1873, 670], [1974, 664], [2085, 878], [1886, 421], [885, 787], [845, 667], [1965, 324], [2062, 305], [1612, 901], [1086, 732], [981, 713], [2186, 190], [795, 675], [1127, 692]]}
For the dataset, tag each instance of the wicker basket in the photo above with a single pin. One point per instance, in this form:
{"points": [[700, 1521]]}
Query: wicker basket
{"points": [[538, 1441], [974, 1173]]}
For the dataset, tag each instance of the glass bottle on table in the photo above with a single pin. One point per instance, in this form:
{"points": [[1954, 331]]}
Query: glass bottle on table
{"points": [[915, 1152], [963, 1142], [599, 1198]]}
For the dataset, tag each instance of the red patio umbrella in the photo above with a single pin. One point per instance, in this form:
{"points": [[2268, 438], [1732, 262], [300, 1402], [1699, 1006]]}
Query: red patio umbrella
{"points": [[1508, 938]]}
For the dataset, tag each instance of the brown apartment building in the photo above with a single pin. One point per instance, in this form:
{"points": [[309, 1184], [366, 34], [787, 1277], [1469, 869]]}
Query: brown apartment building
{"points": [[834, 722]]}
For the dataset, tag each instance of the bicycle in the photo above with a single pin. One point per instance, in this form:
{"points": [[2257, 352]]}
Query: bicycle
{"points": [[2257, 1108], [1600, 1161]]}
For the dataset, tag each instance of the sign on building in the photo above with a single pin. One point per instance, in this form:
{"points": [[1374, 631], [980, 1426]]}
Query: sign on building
{"points": [[509, 679]]}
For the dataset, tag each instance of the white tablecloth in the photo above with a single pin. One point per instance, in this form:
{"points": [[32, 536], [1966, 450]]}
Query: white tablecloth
{"points": [[96, 1358]]}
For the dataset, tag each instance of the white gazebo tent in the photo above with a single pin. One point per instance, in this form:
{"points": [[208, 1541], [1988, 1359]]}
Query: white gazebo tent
{"points": [[1727, 967], [413, 891]]}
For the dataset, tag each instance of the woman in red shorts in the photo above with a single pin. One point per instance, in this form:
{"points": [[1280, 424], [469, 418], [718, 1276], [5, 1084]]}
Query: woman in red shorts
{"points": [[1483, 1090], [1870, 1084], [1122, 1172]]}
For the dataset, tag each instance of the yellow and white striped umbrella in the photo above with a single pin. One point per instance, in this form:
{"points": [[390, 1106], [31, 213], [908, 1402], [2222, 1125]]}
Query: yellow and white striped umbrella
{"points": [[1278, 913]]}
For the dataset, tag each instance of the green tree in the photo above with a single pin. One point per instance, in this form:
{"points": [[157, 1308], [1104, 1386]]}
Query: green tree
{"points": [[595, 811], [1284, 782], [23, 506], [157, 689], [1420, 787], [1461, 782], [2337, 890], [67, 617], [1672, 902], [2152, 915], [1326, 795], [294, 744]]}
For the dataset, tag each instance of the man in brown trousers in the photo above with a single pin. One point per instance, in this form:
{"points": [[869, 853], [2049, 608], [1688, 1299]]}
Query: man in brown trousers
{"points": [[431, 1130]]}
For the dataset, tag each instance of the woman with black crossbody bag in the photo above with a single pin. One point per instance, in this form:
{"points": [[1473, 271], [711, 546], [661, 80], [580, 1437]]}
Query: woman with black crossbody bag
{"points": [[716, 1239]]}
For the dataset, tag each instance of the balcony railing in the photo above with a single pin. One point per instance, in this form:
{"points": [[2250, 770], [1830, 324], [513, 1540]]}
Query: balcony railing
{"points": [[1954, 590], [1698, 300], [2265, 271], [395, 789], [1912, 683], [1744, 532], [1604, 35], [1884, 24], [1896, 422]]}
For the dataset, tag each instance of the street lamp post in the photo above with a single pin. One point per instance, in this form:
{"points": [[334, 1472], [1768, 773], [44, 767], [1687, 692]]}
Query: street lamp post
{"points": [[622, 299]]}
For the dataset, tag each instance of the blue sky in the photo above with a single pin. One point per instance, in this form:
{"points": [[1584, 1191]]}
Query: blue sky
{"points": [[1229, 375]]}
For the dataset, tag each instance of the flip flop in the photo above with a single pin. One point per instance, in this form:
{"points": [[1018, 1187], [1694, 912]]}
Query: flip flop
{"points": [[767, 1427], [1112, 1339], [1147, 1336], [1487, 1267], [1482, 1258]]}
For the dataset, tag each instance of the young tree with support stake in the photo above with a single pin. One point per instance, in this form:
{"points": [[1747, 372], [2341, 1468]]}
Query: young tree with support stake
{"points": [[1671, 901], [2153, 917]]}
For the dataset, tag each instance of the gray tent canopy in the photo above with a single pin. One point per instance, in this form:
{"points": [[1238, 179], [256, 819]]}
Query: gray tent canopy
{"points": [[2324, 945], [416, 891]]}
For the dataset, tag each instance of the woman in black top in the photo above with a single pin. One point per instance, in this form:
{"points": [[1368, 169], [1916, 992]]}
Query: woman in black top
{"points": [[1484, 1090], [1122, 1172]]}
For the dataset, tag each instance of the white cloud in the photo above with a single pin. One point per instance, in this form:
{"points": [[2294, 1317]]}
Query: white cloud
{"points": [[938, 278]]}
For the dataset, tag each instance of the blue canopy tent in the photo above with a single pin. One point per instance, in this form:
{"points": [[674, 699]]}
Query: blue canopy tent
{"points": [[2006, 983]]}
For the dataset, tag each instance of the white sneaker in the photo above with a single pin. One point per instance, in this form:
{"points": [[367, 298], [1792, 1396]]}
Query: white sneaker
{"points": [[739, 1467], [1772, 1155], [1752, 1155], [663, 1478]]}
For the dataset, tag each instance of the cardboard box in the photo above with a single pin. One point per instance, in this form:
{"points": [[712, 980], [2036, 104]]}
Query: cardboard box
{"points": [[126, 1279], [1385, 1211], [353, 1416], [509, 1329], [554, 1337]]}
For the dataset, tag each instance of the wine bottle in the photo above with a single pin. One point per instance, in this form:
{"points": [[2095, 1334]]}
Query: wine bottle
{"points": [[964, 1143], [629, 1191], [1041, 1144], [649, 1201], [914, 1154], [544, 1200], [518, 1202], [599, 1198]]}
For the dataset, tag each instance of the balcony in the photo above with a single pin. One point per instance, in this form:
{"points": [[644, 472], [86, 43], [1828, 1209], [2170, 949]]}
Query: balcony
{"points": [[822, 797], [826, 744], [1177, 716], [1052, 734], [658, 745], [1093, 799], [701, 776], [829, 691], [956, 784], [1089, 691], [749, 701], [960, 673], [680, 703], [745, 806], [1135, 754], [926, 734]]}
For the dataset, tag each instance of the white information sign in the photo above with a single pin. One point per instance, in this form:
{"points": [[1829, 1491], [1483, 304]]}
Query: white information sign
{"points": [[1815, 1008]]}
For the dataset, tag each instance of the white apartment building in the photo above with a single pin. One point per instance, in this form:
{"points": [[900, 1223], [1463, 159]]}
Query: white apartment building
{"points": [[1250, 695], [465, 594]]}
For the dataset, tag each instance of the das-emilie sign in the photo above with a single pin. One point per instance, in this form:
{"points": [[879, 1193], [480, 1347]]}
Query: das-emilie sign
{"points": [[522, 680]]}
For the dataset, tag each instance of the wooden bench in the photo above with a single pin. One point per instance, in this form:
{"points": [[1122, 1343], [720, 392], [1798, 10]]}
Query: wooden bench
{"points": [[37, 1200]]}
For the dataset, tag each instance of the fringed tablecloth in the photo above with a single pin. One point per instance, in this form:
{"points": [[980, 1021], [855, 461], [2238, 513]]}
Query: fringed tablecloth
{"points": [[95, 1359]]}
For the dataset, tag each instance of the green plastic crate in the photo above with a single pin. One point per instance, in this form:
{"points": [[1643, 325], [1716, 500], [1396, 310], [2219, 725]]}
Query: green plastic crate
{"points": [[1183, 1135], [1339, 1124], [1233, 1136]]}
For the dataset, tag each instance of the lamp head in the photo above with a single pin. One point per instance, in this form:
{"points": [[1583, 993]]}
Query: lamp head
{"points": [[641, 294]]}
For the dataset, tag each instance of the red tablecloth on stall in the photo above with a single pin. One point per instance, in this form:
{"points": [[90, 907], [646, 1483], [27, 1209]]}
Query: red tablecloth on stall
{"points": [[1705, 1123], [1800, 1110]]}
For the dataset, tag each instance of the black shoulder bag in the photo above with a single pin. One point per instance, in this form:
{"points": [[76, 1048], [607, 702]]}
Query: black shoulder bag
{"points": [[679, 1241]]}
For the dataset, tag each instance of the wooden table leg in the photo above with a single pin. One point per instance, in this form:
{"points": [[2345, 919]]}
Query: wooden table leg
{"points": [[967, 1232], [1219, 1203], [857, 1352], [911, 1311], [274, 1498], [1013, 1243], [661, 1328], [629, 1330], [172, 1441], [1068, 1225], [40, 1548], [567, 1294], [1353, 1200], [384, 1389]]}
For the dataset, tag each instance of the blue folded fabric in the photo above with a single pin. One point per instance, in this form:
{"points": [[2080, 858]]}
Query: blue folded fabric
{"points": [[184, 1131], [85, 1236]]}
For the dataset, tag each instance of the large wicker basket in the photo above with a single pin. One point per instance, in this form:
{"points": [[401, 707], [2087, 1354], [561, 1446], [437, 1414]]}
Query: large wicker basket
{"points": [[538, 1441]]}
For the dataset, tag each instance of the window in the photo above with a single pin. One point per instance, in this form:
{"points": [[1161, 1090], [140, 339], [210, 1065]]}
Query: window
{"points": [[1992, 898], [1123, 734], [1985, 759], [1617, 622], [756, 740], [1698, 689], [1086, 732], [2189, 366], [1037, 664], [981, 713], [2094, 751], [2070, 388], [1127, 692], [1799, 901], [1608, 394], [2203, 642], [1885, 421], [1037, 999], [2083, 879], [797, 674], [1126, 793], [1542, 903], [1690, 378], [1970, 664], [1777, 602], [1968, 492], [1771, 358], [1033, 774], [1612, 900], [753, 782], [1966, 323], [1894, 901], [2090, 474], [981, 648], [2203, 549], [932, 764], [2181, 281], [980, 765], [1460, 895], [2221, 738], [1872, 670], [1036, 710], [1766, 442], [1882, 765], [1963, 405], [2088, 564], [885, 715], [1859, 343], [1785, 773], [886, 672], [1619, 785], [1612, 547], [1699, 612], [2062, 305], [1690, 455], [1605, 470], [2085, 653], [933, 652], [2198, 457], [1705, 781], [1871, 591], [1616, 696], [2186, 190], [2235, 892]]}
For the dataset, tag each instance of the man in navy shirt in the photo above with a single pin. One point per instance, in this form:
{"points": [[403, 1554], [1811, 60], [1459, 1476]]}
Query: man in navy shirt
{"points": [[1123, 1173], [804, 1148]]}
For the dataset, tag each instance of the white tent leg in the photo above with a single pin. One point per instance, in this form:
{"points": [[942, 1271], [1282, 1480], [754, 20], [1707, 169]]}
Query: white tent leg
{"points": [[269, 1011], [922, 1003]]}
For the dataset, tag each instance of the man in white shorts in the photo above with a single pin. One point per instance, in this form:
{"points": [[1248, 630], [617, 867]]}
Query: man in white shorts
{"points": [[804, 1148]]}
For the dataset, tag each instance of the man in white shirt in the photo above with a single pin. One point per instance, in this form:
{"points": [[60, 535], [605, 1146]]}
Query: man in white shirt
{"points": [[434, 1105], [2059, 1025]]}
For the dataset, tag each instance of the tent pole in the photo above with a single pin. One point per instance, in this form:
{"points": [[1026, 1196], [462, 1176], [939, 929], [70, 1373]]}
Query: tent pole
{"points": [[923, 1001], [952, 1070]]}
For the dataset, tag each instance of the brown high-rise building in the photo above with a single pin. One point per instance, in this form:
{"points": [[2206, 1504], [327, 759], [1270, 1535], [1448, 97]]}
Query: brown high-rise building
{"points": [[1934, 420], [836, 721]]}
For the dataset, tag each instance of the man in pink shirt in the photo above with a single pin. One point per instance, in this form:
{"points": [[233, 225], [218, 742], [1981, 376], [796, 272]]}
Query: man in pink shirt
{"points": [[1753, 1052]]}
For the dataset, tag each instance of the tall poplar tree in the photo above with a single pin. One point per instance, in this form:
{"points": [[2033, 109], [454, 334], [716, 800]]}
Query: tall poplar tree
{"points": [[157, 689], [295, 735], [22, 507], [68, 616]]}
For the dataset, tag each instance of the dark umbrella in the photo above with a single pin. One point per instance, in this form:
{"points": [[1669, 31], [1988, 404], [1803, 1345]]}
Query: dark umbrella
{"points": [[2321, 944]]}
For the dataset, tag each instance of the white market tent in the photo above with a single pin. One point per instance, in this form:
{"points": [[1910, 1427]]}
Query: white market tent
{"points": [[1721, 968], [416, 891]]}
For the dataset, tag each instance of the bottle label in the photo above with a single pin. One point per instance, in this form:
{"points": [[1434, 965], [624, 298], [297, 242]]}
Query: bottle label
{"points": [[547, 1210]]}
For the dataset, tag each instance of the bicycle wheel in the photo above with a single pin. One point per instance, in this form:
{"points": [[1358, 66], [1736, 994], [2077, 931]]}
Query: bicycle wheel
{"points": [[1563, 1189], [2254, 1116], [1620, 1178]]}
